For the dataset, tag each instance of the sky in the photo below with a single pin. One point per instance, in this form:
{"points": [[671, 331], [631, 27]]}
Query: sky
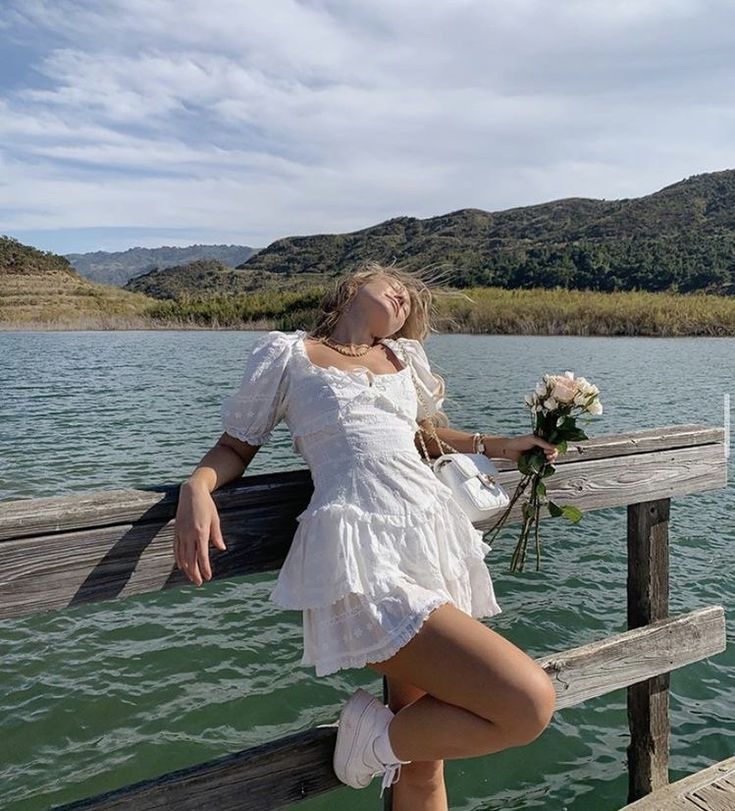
{"points": [[172, 122]]}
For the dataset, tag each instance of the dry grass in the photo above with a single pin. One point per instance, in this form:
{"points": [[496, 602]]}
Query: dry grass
{"points": [[57, 301]]}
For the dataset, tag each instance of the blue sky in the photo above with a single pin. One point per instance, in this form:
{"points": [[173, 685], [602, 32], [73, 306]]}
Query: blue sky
{"points": [[172, 122]]}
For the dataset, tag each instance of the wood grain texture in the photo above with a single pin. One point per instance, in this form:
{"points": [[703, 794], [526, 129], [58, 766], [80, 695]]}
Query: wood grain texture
{"points": [[648, 601], [629, 657], [711, 789]]}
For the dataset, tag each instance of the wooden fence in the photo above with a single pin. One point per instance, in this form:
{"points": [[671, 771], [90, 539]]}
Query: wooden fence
{"points": [[60, 552]]}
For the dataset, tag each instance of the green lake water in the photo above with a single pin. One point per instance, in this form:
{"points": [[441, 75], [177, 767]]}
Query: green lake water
{"points": [[103, 695]]}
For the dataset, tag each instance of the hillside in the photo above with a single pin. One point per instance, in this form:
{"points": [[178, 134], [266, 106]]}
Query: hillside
{"points": [[40, 291], [41, 287], [207, 277], [681, 238], [118, 268]]}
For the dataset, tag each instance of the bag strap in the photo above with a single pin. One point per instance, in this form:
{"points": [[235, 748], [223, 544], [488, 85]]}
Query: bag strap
{"points": [[419, 394]]}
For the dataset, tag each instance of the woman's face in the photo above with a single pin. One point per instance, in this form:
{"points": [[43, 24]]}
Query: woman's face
{"points": [[385, 303]]}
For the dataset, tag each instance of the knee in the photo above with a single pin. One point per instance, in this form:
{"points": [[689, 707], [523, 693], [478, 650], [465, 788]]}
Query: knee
{"points": [[538, 705], [425, 774]]}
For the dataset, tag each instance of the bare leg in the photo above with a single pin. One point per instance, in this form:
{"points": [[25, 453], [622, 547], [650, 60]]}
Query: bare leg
{"points": [[483, 694], [421, 787]]}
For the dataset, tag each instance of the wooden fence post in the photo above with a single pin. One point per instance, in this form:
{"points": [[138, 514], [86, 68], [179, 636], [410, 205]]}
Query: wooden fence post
{"points": [[648, 601]]}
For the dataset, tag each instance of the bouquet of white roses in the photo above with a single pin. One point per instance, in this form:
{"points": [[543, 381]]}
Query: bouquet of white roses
{"points": [[555, 404]]}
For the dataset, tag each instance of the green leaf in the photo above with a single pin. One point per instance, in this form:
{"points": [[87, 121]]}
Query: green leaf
{"points": [[523, 464], [536, 461], [562, 446], [555, 509], [575, 435], [540, 488], [549, 470], [574, 514]]}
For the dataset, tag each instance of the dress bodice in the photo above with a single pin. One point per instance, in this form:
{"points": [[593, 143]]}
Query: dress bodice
{"points": [[281, 382], [337, 416], [352, 427]]}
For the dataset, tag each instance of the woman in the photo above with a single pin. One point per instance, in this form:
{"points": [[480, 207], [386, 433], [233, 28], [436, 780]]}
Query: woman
{"points": [[388, 570]]}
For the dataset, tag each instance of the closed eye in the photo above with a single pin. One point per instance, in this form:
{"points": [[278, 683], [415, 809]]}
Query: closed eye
{"points": [[401, 294]]}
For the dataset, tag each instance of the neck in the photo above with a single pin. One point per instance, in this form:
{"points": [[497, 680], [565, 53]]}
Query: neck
{"points": [[353, 333]]}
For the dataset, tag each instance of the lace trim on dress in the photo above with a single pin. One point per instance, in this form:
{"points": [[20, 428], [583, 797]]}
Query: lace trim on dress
{"points": [[405, 632]]}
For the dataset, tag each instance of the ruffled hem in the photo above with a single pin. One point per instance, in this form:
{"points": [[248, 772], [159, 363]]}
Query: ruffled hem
{"points": [[414, 513], [340, 548], [402, 636], [248, 436], [478, 603]]}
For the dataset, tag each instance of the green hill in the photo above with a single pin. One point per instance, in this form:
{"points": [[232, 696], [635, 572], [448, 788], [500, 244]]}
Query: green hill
{"points": [[41, 291], [39, 287], [208, 277], [681, 238]]}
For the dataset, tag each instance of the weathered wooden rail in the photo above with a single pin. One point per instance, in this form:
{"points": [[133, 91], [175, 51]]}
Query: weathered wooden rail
{"points": [[60, 552]]}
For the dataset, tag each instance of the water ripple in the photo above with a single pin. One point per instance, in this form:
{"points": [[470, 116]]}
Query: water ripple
{"points": [[103, 695]]}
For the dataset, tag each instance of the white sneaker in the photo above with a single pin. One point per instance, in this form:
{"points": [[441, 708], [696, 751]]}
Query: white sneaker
{"points": [[362, 720]]}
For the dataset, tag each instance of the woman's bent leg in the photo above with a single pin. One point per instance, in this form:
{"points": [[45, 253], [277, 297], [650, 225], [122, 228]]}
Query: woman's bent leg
{"points": [[483, 694], [421, 787]]}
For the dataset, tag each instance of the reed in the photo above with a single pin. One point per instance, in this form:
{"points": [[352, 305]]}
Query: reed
{"points": [[485, 310]]}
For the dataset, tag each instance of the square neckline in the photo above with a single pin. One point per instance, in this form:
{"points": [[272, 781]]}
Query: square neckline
{"points": [[302, 346]]}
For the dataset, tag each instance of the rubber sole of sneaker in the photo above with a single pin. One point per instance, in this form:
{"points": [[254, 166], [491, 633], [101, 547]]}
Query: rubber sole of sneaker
{"points": [[348, 735]]}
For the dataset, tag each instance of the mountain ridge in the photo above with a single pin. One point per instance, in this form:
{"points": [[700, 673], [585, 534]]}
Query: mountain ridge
{"points": [[679, 238], [118, 267]]}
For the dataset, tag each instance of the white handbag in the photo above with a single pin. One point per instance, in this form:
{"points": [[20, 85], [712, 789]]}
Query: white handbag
{"points": [[470, 476]]}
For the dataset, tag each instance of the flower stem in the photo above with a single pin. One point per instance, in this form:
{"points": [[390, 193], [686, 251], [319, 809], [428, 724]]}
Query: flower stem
{"points": [[500, 523], [538, 539]]}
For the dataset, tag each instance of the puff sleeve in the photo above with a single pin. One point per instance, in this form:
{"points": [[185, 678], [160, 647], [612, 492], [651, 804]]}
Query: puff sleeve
{"points": [[259, 404], [430, 386]]}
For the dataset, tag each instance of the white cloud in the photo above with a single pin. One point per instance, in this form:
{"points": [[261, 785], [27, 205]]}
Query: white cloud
{"points": [[311, 117]]}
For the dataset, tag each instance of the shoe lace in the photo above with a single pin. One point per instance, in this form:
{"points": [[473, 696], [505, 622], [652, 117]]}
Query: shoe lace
{"points": [[391, 775]]}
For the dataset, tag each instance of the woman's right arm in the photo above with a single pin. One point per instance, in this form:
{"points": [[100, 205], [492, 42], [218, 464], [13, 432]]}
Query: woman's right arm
{"points": [[249, 415], [197, 521], [224, 463]]}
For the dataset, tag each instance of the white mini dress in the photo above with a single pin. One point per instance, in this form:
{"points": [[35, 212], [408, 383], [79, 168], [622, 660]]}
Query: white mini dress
{"points": [[382, 541]]}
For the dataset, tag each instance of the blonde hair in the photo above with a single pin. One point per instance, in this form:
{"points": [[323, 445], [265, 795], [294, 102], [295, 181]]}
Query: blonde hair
{"points": [[334, 303], [417, 324]]}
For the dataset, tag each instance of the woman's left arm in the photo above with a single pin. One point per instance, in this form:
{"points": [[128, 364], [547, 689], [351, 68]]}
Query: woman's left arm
{"points": [[496, 447]]}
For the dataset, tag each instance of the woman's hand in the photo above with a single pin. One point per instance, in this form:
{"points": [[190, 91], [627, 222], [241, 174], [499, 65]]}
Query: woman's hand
{"points": [[196, 524], [513, 447]]}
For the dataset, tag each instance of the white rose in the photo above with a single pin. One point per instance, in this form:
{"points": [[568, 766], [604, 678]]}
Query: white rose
{"points": [[595, 407], [550, 404], [569, 375], [587, 387], [564, 390], [540, 388], [529, 400]]}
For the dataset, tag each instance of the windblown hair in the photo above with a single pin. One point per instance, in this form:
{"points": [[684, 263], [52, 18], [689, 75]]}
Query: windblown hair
{"points": [[336, 300], [417, 324]]}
